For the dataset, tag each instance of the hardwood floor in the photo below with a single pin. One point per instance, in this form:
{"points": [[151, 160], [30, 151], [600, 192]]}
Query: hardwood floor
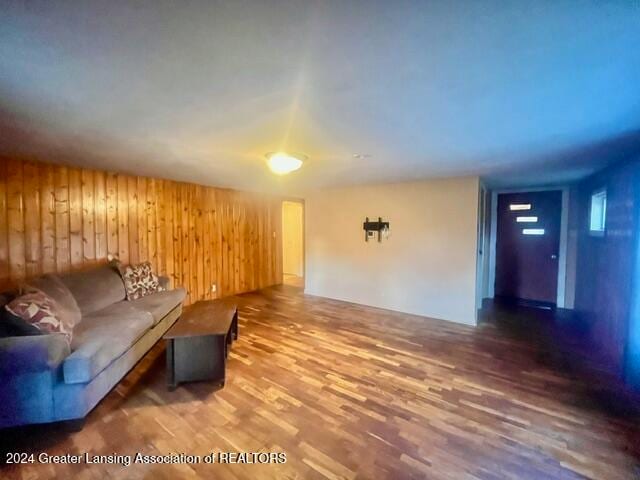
{"points": [[348, 391]]}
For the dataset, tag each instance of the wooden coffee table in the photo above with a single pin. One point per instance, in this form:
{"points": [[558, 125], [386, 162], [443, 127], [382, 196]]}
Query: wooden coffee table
{"points": [[198, 343]]}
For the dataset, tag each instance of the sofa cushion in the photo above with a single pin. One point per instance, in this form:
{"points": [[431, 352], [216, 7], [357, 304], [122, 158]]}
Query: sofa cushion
{"points": [[101, 338], [53, 286], [96, 288], [160, 303], [122, 309]]}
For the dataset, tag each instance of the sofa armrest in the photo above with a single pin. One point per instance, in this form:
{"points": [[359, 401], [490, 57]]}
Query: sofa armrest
{"points": [[29, 369], [165, 282], [30, 354], [78, 367]]}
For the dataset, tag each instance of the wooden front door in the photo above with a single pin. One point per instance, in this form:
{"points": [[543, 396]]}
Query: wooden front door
{"points": [[527, 246]]}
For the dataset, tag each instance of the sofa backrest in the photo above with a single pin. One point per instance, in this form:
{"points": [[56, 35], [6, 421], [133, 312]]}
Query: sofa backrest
{"points": [[52, 285], [96, 288]]}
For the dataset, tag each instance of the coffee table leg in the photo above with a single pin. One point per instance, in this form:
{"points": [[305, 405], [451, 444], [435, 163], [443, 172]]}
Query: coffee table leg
{"points": [[171, 371], [234, 325], [224, 344]]}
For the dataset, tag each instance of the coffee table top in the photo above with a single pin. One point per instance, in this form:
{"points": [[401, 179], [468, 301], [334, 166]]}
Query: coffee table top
{"points": [[206, 317]]}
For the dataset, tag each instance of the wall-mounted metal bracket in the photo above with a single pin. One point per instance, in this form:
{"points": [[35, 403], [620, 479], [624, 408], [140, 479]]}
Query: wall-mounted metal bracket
{"points": [[378, 226]]}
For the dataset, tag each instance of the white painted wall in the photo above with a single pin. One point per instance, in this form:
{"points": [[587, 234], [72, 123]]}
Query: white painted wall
{"points": [[427, 266]]}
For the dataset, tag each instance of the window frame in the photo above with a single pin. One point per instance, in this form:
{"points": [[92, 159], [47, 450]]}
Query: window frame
{"points": [[600, 192]]}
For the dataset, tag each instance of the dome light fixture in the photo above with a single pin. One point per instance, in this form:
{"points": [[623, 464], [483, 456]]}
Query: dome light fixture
{"points": [[282, 163]]}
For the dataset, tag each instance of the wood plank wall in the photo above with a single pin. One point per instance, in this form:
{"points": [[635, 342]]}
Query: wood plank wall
{"points": [[55, 218]]}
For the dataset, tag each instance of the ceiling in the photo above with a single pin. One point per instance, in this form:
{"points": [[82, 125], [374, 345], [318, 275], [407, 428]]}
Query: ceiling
{"points": [[520, 92]]}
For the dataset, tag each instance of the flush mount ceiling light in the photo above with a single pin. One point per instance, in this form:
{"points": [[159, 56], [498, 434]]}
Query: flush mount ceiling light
{"points": [[282, 163]]}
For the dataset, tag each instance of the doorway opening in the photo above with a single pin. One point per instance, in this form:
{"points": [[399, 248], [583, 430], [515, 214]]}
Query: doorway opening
{"points": [[293, 243]]}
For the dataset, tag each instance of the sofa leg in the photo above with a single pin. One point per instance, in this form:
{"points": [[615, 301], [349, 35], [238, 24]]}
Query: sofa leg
{"points": [[74, 425]]}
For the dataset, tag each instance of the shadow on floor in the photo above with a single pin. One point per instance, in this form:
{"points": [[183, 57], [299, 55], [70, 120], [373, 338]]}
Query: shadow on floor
{"points": [[558, 339]]}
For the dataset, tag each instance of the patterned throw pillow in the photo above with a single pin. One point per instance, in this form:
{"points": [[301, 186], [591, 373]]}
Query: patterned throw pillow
{"points": [[40, 310], [139, 280], [52, 286]]}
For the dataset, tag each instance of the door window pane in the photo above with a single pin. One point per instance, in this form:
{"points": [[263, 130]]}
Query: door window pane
{"points": [[520, 206]]}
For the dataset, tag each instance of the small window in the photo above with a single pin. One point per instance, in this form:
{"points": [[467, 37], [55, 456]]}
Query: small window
{"points": [[533, 231], [526, 219], [519, 206], [598, 212]]}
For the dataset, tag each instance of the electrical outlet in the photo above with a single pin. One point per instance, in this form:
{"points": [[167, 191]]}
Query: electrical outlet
{"points": [[213, 288]]}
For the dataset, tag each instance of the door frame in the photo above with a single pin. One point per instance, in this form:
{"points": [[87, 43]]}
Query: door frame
{"points": [[562, 247], [304, 235], [483, 245]]}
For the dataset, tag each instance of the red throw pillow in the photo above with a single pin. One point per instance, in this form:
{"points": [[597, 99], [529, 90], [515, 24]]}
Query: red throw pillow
{"points": [[41, 311], [139, 280]]}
